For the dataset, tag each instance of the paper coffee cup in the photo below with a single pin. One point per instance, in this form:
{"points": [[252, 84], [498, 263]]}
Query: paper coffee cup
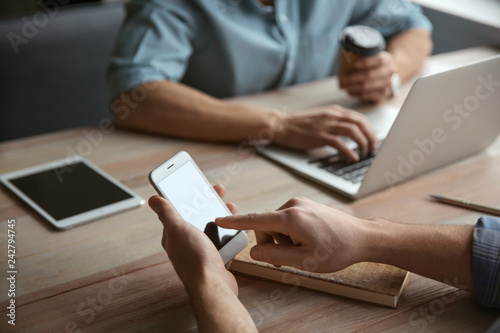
{"points": [[358, 41]]}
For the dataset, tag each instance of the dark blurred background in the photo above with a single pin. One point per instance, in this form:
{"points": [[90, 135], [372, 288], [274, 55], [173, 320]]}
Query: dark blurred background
{"points": [[19, 7], [53, 60]]}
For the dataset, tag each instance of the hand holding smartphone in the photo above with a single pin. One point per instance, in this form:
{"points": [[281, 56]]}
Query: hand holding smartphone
{"points": [[180, 181]]}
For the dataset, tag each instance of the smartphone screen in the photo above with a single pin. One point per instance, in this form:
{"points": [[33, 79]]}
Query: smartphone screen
{"points": [[197, 202]]}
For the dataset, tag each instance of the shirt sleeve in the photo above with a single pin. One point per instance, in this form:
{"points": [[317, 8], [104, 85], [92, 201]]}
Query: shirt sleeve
{"points": [[485, 261], [389, 17], [154, 44]]}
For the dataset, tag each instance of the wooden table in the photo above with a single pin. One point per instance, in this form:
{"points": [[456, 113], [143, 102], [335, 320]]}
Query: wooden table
{"points": [[112, 275]]}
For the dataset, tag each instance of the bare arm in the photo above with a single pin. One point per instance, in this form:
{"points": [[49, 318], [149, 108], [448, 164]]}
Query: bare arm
{"points": [[217, 308], [212, 289], [174, 109], [409, 49], [439, 252]]}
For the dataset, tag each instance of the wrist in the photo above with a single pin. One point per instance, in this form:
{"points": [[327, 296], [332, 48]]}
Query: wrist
{"points": [[204, 280], [379, 240], [215, 305], [239, 122], [263, 126], [276, 125], [198, 281]]}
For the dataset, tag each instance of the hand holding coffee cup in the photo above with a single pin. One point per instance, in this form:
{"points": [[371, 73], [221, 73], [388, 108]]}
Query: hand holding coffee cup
{"points": [[366, 70]]}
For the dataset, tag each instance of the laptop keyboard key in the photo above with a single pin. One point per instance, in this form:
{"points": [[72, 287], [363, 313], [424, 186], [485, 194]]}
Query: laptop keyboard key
{"points": [[340, 166], [353, 172]]}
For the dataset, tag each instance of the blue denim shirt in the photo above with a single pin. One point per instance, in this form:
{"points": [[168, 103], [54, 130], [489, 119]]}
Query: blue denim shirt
{"points": [[233, 47], [486, 261]]}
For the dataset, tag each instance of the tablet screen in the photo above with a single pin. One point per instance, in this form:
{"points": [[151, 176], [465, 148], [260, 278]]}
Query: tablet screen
{"points": [[67, 192]]}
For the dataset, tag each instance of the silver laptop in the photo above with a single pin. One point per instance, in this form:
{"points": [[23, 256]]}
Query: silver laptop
{"points": [[446, 117]]}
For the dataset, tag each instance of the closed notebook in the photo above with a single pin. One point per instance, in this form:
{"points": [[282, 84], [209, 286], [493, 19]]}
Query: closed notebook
{"points": [[369, 282]]}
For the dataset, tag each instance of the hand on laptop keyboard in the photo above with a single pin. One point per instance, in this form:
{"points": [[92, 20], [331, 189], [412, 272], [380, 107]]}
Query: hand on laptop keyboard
{"points": [[353, 172], [340, 166], [325, 126]]}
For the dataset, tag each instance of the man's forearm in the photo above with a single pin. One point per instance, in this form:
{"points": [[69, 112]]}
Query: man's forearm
{"points": [[439, 252], [217, 308], [410, 48], [174, 109]]}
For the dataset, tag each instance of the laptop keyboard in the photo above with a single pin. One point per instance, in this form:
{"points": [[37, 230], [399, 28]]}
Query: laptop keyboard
{"points": [[340, 166]]}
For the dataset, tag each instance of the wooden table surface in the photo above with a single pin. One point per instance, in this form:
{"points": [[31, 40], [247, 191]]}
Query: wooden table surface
{"points": [[112, 275]]}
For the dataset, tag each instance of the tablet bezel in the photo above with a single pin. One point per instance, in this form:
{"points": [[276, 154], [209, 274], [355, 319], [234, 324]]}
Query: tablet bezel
{"points": [[78, 219]]}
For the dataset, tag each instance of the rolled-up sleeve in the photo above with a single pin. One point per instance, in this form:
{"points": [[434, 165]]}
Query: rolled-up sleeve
{"points": [[154, 44], [389, 17], [486, 261]]}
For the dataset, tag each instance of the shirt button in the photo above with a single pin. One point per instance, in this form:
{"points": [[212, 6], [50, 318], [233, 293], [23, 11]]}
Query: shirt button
{"points": [[283, 18]]}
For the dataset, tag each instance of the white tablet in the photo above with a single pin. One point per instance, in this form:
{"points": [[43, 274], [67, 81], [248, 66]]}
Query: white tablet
{"points": [[70, 191]]}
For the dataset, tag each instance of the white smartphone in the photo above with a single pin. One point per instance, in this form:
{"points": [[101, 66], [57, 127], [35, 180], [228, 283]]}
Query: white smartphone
{"points": [[180, 181]]}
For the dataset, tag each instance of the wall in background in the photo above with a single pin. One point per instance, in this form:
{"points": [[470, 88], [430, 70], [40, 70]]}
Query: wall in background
{"points": [[460, 24], [10, 8], [53, 67]]}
